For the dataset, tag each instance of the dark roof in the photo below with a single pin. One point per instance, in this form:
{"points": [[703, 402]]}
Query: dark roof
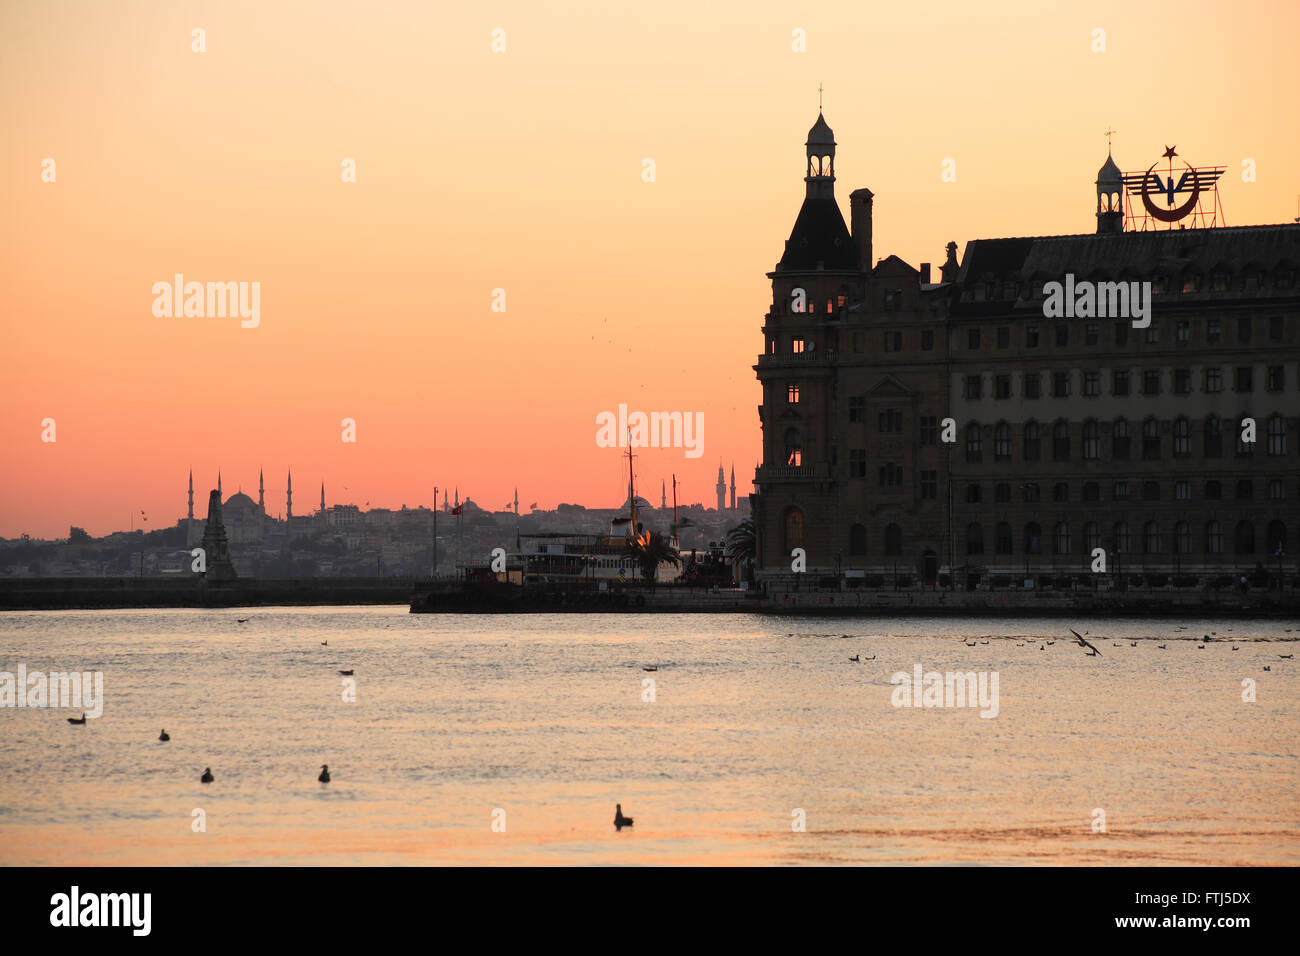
{"points": [[819, 235]]}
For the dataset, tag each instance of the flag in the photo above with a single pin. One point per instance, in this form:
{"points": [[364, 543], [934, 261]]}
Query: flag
{"points": [[459, 509], [532, 506]]}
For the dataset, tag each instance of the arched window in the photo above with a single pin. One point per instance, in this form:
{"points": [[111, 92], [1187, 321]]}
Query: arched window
{"points": [[1032, 445], [1123, 543], [1182, 538], [1182, 437], [1243, 540], [1213, 437], [1033, 538], [1002, 442], [1061, 440], [793, 529], [1213, 537], [1061, 535], [793, 447], [893, 540], [1276, 538], [1151, 439], [974, 443], [1091, 537], [1276, 435], [1119, 440], [1091, 440], [1002, 538], [857, 540], [974, 538], [1151, 537]]}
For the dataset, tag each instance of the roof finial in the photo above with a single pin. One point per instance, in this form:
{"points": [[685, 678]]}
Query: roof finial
{"points": [[1109, 133], [819, 97]]}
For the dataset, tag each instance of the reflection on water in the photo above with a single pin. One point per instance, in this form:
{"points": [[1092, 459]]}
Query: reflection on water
{"points": [[543, 717]]}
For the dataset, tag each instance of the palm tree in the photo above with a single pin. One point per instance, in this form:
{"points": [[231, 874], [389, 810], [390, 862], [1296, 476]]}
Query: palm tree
{"points": [[741, 544], [649, 550]]}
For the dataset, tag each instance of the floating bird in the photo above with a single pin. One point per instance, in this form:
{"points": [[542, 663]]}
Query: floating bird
{"points": [[1162, 647], [872, 657], [1286, 657], [324, 643], [77, 720], [855, 658], [1200, 647], [1114, 644], [1041, 647], [620, 821], [970, 643], [242, 620], [207, 775], [1083, 643], [983, 642], [1020, 645], [1050, 643], [1235, 647], [347, 673], [650, 669], [324, 774], [1133, 644], [164, 736], [1267, 668]]}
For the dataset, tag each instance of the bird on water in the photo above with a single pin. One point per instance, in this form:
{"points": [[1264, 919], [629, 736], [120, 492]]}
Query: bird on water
{"points": [[207, 775], [347, 673], [77, 720], [164, 736], [324, 774], [620, 821]]}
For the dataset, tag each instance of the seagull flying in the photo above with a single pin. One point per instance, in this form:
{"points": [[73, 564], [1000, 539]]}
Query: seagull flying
{"points": [[1084, 643]]}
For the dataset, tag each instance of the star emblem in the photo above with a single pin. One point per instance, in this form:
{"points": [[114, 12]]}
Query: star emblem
{"points": [[1169, 152]]}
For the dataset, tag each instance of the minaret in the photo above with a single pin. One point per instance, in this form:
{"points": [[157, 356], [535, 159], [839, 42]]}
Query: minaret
{"points": [[1110, 187], [445, 505], [190, 515], [191, 526], [722, 490], [322, 498], [663, 494], [516, 502], [457, 497], [261, 492], [733, 486], [218, 481]]}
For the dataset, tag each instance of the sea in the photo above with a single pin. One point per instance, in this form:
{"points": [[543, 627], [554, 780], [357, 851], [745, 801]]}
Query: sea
{"points": [[728, 739]]}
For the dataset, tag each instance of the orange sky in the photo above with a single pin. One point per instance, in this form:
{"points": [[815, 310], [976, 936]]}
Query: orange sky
{"points": [[522, 170]]}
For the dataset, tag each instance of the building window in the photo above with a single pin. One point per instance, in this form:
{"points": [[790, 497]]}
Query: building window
{"points": [[1061, 492], [1091, 384], [1033, 538], [1182, 538], [1182, 381], [929, 430], [792, 394], [1182, 438], [1213, 490], [796, 346], [1276, 489], [1062, 336], [1276, 435], [1213, 438], [1002, 538], [1183, 332], [890, 420], [891, 475], [972, 338], [1153, 334], [857, 408], [857, 463], [1182, 490], [893, 540], [1243, 330], [1275, 328], [1119, 440], [1091, 491], [929, 484], [857, 540], [974, 443], [1275, 538], [1151, 381], [1119, 385], [973, 386], [793, 529], [1245, 449], [1213, 331], [927, 340], [1032, 492], [793, 448], [893, 300], [1243, 539], [1061, 536], [1121, 333], [1151, 440], [1091, 441], [1002, 442], [893, 341], [1033, 385], [974, 539], [1151, 538], [1031, 337], [1033, 447], [1213, 538], [1275, 380], [1090, 333], [972, 494], [1060, 384], [1213, 380], [859, 341], [1123, 542], [1091, 537], [1002, 493], [1242, 380], [1150, 491], [1245, 489], [1061, 441], [1119, 491], [1004, 337], [1002, 386]]}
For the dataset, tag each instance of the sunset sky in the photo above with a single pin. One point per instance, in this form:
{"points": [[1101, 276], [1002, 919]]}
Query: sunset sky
{"points": [[522, 171]]}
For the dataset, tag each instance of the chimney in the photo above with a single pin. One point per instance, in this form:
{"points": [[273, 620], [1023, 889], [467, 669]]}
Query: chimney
{"points": [[925, 273], [860, 225]]}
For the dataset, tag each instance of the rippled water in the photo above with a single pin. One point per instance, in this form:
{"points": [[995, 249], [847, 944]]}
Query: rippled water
{"points": [[542, 717]]}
